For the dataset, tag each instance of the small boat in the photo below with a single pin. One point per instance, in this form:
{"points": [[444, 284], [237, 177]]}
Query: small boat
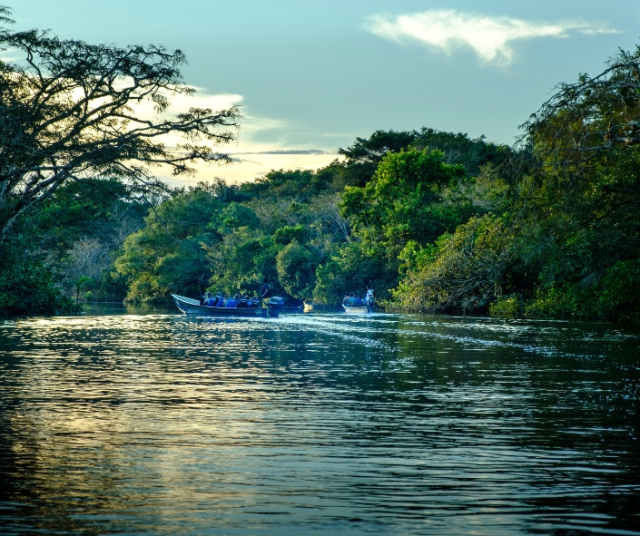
{"points": [[355, 310], [359, 309], [271, 307]]}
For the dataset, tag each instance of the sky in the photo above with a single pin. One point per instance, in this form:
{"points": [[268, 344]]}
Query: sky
{"points": [[310, 77]]}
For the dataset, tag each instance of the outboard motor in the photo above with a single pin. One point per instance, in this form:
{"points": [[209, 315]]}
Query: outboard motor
{"points": [[371, 305], [275, 306]]}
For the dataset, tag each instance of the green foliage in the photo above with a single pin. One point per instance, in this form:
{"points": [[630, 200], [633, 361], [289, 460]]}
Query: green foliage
{"points": [[27, 286], [465, 271], [619, 292], [364, 156], [298, 230], [301, 184], [351, 269], [63, 116], [616, 297], [236, 216], [567, 241], [472, 154], [554, 302], [539, 231], [296, 270], [287, 234], [435, 220], [240, 262], [506, 306], [400, 203], [167, 255], [72, 237], [82, 228], [88, 208], [80, 282]]}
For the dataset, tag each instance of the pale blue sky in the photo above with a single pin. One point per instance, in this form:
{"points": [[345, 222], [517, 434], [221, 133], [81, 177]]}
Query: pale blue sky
{"points": [[314, 75]]}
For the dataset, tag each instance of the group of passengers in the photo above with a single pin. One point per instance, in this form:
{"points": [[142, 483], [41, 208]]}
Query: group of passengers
{"points": [[350, 300], [238, 300], [219, 300]]}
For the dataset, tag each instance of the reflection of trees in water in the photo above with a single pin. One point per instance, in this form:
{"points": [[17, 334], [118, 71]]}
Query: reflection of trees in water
{"points": [[74, 407], [36, 491], [581, 408], [63, 427]]}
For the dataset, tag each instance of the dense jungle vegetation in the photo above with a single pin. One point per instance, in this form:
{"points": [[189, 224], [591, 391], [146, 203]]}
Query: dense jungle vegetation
{"points": [[434, 221]]}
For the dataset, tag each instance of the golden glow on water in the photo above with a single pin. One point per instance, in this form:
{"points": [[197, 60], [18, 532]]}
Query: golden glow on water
{"points": [[321, 424]]}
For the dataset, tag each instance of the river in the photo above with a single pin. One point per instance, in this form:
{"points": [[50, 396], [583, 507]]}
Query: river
{"points": [[148, 422]]}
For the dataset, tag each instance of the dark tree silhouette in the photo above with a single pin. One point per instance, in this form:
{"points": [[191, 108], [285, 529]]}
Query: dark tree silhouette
{"points": [[69, 111]]}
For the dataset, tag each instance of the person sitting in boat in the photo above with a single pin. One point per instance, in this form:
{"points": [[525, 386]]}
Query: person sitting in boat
{"points": [[345, 300], [205, 299]]}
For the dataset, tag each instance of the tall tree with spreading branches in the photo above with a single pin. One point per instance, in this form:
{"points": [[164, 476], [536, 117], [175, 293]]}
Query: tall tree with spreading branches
{"points": [[71, 111], [585, 119]]}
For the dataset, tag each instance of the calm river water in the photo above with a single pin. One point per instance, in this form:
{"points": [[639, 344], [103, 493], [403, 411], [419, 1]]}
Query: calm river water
{"points": [[155, 423]]}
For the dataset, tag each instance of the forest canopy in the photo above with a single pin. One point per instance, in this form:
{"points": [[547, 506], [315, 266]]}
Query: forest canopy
{"points": [[434, 221]]}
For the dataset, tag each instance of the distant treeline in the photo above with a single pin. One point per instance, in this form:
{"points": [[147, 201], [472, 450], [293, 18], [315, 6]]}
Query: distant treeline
{"points": [[434, 221]]}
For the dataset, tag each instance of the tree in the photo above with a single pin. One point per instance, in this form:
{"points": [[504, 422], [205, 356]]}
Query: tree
{"points": [[71, 110], [458, 148], [28, 287], [400, 202], [590, 116], [363, 157], [576, 185], [167, 255], [296, 270], [297, 184], [463, 271]]}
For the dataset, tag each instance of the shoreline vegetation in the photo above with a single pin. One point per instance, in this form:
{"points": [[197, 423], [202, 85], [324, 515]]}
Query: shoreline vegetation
{"points": [[434, 221]]}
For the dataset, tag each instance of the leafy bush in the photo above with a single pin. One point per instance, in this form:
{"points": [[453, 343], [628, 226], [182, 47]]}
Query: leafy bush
{"points": [[506, 306], [27, 286], [296, 270], [465, 271], [619, 292]]}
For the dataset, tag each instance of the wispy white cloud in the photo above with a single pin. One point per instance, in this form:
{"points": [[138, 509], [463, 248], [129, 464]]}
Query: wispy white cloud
{"points": [[489, 37], [287, 152], [263, 143]]}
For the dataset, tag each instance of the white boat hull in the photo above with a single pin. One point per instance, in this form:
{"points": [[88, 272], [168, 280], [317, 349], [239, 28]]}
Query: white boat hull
{"points": [[360, 310]]}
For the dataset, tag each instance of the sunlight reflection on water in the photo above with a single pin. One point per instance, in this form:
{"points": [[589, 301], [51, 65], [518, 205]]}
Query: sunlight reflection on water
{"points": [[317, 424]]}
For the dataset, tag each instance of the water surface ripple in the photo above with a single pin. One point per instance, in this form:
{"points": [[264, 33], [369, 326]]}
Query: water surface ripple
{"points": [[318, 424]]}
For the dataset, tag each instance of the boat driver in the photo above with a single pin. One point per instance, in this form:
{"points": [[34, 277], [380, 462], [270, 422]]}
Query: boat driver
{"points": [[265, 291]]}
